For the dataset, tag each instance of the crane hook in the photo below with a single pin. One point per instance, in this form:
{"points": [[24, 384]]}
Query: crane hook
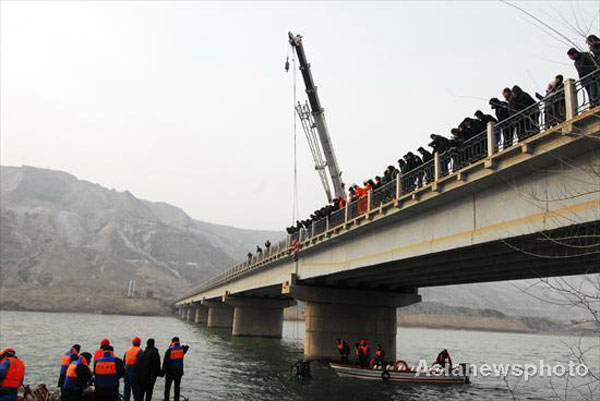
{"points": [[287, 63]]}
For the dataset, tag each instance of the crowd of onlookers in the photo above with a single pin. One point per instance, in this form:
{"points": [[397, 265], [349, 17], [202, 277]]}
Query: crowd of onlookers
{"points": [[516, 101]]}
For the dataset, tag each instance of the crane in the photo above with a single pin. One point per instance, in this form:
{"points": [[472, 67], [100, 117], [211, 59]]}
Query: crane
{"points": [[312, 117]]}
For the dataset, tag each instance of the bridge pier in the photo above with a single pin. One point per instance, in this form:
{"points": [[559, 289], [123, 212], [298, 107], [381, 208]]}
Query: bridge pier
{"points": [[257, 317], [352, 315], [201, 315], [220, 315]]}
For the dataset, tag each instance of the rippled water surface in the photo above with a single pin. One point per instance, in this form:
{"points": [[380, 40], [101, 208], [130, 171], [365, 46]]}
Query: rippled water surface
{"points": [[221, 367]]}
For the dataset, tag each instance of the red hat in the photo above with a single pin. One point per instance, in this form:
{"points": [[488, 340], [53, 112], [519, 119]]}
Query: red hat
{"points": [[104, 342], [6, 351], [136, 341]]}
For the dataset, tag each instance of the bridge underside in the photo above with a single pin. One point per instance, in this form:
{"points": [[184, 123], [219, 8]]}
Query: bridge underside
{"points": [[567, 251]]}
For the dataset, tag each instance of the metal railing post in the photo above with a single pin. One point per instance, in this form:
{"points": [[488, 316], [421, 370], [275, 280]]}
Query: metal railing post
{"points": [[398, 186], [346, 211], [327, 224], [491, 130], [312, 229], [369, 196], [437, 167], [570, 99]]}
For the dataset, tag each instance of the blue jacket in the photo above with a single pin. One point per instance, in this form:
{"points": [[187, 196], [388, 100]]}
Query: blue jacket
{"points": [[108, 370]]}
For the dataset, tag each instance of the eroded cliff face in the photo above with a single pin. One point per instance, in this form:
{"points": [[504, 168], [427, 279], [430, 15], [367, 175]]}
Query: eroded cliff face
{"points": [[60, 235]]}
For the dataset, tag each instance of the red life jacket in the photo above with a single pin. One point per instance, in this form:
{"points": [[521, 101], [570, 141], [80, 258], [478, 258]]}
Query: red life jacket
{"points": [[364, 349], [131, 356], [340, 346], [14, 375], [379, 352]]}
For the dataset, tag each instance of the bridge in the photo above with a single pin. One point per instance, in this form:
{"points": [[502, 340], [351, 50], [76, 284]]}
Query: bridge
{"points": [[488, 210]]}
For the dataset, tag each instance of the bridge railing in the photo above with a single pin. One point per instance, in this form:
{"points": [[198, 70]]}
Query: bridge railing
{"points": [[337, 218], [587, 91], [383, 194], [417, 177], [576, 98]]}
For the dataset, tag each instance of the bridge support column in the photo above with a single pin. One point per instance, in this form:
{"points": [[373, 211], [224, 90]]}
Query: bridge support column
{"points": [[352, 315], [201, 315], [189, 314], [257, 317], [220, 315]]}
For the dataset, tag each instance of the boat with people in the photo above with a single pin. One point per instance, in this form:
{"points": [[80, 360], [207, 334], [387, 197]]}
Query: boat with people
{"points": [[401, 372]]}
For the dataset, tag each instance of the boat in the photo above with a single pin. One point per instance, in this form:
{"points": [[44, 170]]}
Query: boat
{"points": [[401, 372]]}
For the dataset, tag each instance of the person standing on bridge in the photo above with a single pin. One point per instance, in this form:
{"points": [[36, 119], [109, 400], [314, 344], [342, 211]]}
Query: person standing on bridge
{"points": [[132, 359], [173, 367], [585, 65]]}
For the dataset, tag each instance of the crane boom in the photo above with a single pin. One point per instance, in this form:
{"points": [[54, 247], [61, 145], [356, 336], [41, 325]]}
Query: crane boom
{"points": [[318, 117]]}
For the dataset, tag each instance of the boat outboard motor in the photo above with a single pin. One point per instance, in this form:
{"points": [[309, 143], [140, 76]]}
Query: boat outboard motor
{"points": [[300, 370]]}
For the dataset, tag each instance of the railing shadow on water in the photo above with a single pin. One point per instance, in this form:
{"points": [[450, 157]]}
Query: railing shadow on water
{"points": [[552, 110]]}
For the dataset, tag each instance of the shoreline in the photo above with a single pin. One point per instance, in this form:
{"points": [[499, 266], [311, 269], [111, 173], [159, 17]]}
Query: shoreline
{"points": [[403, 324]]}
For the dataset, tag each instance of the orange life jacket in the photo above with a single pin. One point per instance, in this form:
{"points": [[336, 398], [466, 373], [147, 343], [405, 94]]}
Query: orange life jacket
{"points": [[106, 368], [131, 356], [14, 375]]}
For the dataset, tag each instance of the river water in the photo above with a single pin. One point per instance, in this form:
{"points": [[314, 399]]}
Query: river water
{"points": [[221, 367]]}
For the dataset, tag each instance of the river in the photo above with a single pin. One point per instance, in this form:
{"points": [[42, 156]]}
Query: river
{"points": [[221, 367]]}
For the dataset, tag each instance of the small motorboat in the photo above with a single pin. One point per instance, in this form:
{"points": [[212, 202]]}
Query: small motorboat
{"points": [[401, 372]]}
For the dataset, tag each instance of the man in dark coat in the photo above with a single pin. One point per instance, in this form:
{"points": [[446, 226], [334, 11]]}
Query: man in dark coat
{"points": [[593, 43], [529, 120], [585, 65], [149, 369], [485, 118], [502, 113]]}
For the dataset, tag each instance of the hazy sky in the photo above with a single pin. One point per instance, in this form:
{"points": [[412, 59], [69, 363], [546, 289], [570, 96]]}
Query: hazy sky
{"points": [[188, 102]]}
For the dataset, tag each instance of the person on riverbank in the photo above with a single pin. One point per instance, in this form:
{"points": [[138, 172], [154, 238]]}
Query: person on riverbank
{"points": [[67, 358], [99, 353], [343, 349], [132, 359], [12, 372], [173, 367], [149, 370], [77, 379], [108, 369]]}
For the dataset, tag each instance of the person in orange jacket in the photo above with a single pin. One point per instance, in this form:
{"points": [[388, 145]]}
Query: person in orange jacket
{"points": [[12, 372], [104, 343], [132, 359]]}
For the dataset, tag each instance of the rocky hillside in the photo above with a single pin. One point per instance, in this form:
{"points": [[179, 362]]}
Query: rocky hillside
{"points": [[60, 234]]}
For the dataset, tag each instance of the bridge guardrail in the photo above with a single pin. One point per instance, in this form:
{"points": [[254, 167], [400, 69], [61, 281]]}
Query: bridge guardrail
{"points": [[383, 194], [546, 113], [418, 177], [587, 91]]}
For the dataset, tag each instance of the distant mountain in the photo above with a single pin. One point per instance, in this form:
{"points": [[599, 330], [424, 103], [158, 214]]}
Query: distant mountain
{"points": [[58, 232]]}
